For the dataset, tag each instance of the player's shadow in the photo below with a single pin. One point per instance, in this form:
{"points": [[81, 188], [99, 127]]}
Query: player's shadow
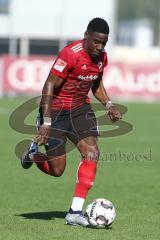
{"points": [[43, 215]]}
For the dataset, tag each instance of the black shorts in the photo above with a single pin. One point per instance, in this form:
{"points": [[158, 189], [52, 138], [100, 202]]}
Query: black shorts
{"points": [[74, 124]]}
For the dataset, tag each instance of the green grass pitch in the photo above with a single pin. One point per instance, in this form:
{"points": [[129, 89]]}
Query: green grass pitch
{"points": [[33, 205]]}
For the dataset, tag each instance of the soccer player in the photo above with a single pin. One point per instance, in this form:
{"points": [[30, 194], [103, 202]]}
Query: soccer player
{"points": [[65, 112]]}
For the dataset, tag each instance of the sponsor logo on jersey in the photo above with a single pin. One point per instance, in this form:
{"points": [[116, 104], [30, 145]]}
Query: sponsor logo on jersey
{"points": [[60, 65], [88, 77]]}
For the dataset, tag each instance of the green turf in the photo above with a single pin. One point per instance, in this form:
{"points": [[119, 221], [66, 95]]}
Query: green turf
{"points": [[33, 205]]}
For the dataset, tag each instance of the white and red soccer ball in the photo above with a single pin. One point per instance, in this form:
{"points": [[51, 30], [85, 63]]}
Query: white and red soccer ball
{"points": [[101, 213]]}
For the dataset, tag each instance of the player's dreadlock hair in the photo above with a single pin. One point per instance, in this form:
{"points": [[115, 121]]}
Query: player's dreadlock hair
{"points": [[98, 25]]}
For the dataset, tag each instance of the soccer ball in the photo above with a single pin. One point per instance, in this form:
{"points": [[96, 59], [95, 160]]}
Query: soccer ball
{"points": [[101, 213]]}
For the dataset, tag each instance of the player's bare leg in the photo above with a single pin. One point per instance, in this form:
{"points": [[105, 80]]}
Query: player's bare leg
{"points": [[89, 149], [52, 163], [53, 166], [85, 179]]}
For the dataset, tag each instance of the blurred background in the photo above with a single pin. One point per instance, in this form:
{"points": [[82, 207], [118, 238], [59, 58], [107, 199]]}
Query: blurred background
{"points": [[32, 32]]}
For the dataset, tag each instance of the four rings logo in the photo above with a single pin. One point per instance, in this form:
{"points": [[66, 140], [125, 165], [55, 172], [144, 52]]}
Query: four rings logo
{"points": [[29, 74]]}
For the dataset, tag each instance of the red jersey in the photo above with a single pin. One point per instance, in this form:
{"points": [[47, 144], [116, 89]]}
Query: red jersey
{"points": [[78, 70]]}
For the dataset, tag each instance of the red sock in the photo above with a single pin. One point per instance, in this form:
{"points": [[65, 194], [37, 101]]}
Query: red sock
{"points": [[85, 178], [41, 161]]}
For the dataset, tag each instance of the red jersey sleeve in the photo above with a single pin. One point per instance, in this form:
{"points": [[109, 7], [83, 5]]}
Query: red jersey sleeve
{"points": [[63, 63]]}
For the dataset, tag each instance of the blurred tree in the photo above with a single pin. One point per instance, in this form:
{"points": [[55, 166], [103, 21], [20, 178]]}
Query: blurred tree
{"points": [[141, 9]]}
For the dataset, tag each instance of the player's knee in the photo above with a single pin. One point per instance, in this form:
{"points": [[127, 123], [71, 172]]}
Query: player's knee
{"points": [[56, 172], [92, 153]]}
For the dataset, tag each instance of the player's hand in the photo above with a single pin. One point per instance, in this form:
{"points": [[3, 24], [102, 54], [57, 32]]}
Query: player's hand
{"points": [[114, 114], [43, 135]]}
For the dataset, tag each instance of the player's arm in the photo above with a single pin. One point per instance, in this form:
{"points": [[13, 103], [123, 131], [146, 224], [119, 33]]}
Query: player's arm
{"points": [[50, 85], [99, 91], [101, 95]]}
